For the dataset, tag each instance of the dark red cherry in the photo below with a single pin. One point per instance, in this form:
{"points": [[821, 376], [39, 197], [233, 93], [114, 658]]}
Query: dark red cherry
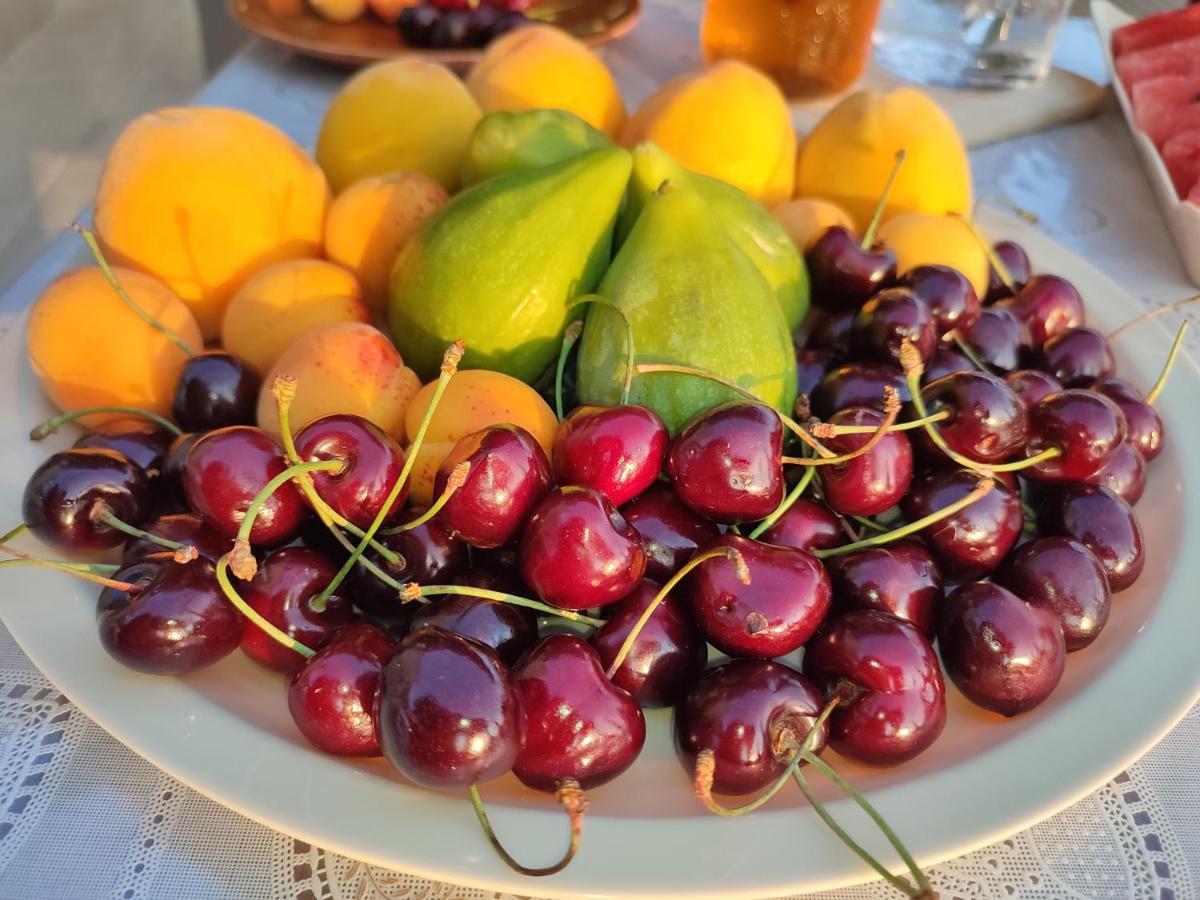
{"points": [[68, 493], [183, 528], [1016, 261], [945, 362], [843, 275], [177, 621], [874, 481], [1031, 385], [901, 579], [947, 294], [784, 603], [806, 525], [1000, 339], [509, 630], [667, 655], [578, 723], [670, 532], [1063, 577], [215, 389], [1085, 426], [987, 423], [144, 443], [577, 551], [811, 366], [280, 592], [750, 713], [509, 475], [725, 463], [334, 697], [372, 461], [172, 497], [887, 320], [832, 332], [893, 699], [1124, 474], [449, 712], [1102, 522], [857, 384], [1077, 357], [1144, 424], [618, 450], [1002, 652], [1048, 306], [224, 472]]}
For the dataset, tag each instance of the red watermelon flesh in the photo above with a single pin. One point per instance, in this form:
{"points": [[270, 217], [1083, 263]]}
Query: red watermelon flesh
{"points": [[1194, 196], [1165, 105], [1162, 28], [1182, 156], [1175, 58]]}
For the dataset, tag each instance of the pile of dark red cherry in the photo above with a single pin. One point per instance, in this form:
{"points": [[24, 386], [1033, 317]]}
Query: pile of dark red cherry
{"points": [[432, 652]]}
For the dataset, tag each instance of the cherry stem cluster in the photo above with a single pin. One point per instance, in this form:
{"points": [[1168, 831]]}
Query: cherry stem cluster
{"points": [[50, 426], [80, 570], [891, 410], [570, 795]]}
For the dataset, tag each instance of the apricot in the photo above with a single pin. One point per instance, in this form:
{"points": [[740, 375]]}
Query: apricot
{"points": [[347, 367], [474, 399], [919, 238], [339, 10], [203, 197], [542, 67], [404, 115], [88, 348], [807, 218], [371, 221], [284, 301], [729, 121]]}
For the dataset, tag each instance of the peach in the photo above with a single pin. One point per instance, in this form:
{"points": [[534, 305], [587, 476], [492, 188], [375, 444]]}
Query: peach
{"points": [[203, 197], [347, 367], [339, 10], [919, 239], [371, 221], [88, 348], [284, 301]]}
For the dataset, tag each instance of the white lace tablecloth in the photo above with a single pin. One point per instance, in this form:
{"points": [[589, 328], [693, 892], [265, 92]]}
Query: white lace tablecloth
{"points": [[82, 817]]}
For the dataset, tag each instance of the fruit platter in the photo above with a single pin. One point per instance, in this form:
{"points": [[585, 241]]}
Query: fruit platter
{"points": [[542, 498]]}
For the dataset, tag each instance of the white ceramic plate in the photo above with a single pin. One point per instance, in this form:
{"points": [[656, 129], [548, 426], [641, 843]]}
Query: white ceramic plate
{"points": [[227, 732]]}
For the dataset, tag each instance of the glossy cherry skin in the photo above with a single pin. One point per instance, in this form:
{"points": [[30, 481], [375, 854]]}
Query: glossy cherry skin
{"points": [[1144, 424], [224, 472], [183, 528], [1048, 305], [874, 481], [578, 723], [988, 422], [670, 531], [508, 630], [428, 555], [843, 275], [893, 699], [1000, 339], [806, 525], [901, 579], [334, 697], [1063, 577], [577, 551], [1102, 522], [887, 320], [450, 714], [1016, 261], [66, 494], [215, 390], [1087, 427], [172, 497], [1124, 474], [1077, 357], [1002, 652], [811, 366], [832, 332], [785, 602], [508, 476], [280, 592], [749, 713], [177, 621], [725, 463], [372, 461], [947, 294], [857, 384], [666, 657], [1031, 385], [945, 362], [143, 443], [618, 450]]}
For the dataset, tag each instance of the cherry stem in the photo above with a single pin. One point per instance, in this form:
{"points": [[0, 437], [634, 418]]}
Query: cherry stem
{"points": [[730, 553], [1004, 203], [869, 235], [573, 801], [791, 424], [1169, 364], [969, 352], [891, 409], [253, 615], [1002, 271], [627, 384], [450, 360], [50, 426], [793, 495], [458, 475], [90, 239], [1154, 314], [869, 523], [77, 569], [63, 565], [183, 552], [571, 336], [981, 489], [9, 535], [412, 591], [910, 425]]}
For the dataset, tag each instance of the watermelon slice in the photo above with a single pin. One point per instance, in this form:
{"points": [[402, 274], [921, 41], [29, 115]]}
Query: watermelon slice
{"points": [[1175, 58], [1165, 105], [1182, 156], [1194, 196], [1162, 28]]}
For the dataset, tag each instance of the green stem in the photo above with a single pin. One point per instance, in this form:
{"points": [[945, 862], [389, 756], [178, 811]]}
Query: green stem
{"points": [[458, 475], [50, 426], [413, 591], [570, 795], [969, 352], [1170, 363], [627, 383], [869, 524], [868, 238], [109, 518], [9, 535], [268, 490], [1154, 314], [70, 568], [793, 495], [997, 263], [570, 337], [61, 565], [912, 424], [250, 613], [891, 405]]}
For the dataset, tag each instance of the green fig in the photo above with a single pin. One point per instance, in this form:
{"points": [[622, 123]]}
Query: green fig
{"points": [[499, 265], [747, 221], [692, 298], [506, 142]]}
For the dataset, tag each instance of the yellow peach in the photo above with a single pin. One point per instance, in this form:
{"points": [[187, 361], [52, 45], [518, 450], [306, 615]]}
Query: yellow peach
{"points": [[203, 197], [88, 348], [922, 238], [807, 218], [542, 67], [347, 367], [371, 221], [284, 301], [339, 10]]}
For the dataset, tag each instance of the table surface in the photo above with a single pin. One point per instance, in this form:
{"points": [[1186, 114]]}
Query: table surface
{"points": [[83, 817]]}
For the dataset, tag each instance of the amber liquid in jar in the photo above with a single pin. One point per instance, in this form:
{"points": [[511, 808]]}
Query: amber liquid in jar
{"points": [[810, 47]]}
